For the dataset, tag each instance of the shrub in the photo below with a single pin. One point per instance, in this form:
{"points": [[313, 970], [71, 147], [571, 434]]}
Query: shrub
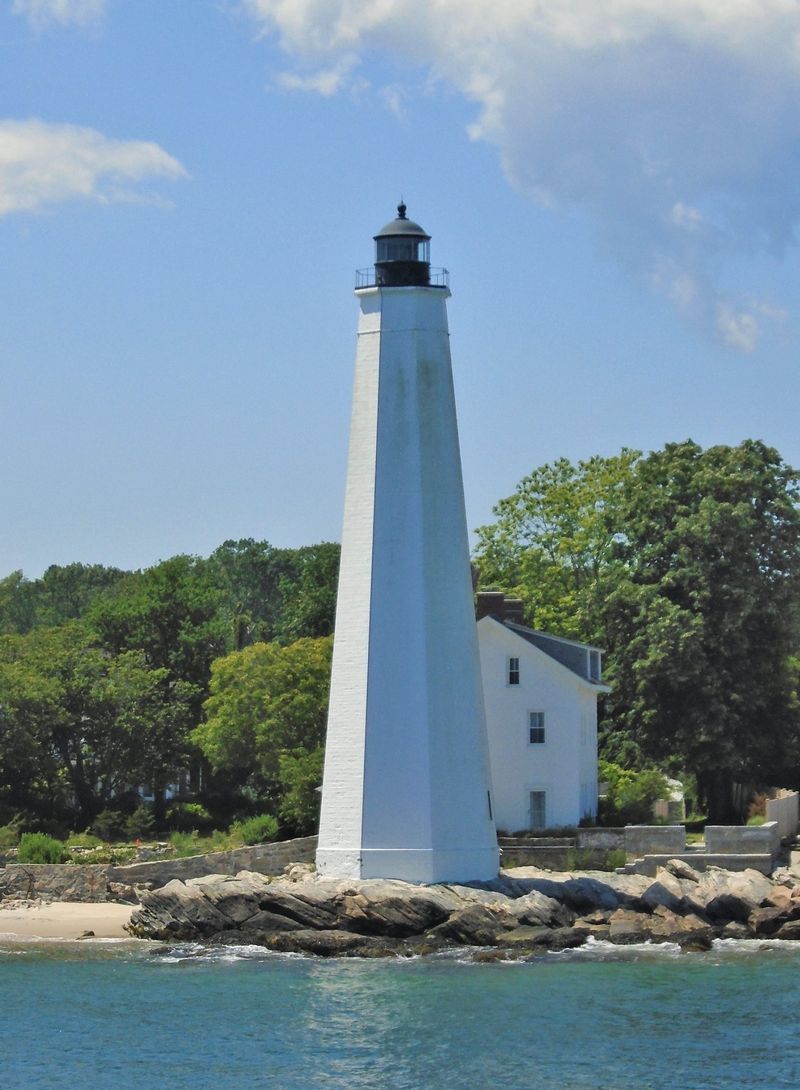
{"points": [[83, 840], [141, 823], [9, 834], [616, 857], [184, 844], [256, 830], [630, 796], [183, 817], [41, 848], [578, 859], [108, 825]]}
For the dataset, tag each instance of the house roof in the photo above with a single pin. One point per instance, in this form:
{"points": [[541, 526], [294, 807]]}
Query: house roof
{"points": [[530, 634], [565, 653]]}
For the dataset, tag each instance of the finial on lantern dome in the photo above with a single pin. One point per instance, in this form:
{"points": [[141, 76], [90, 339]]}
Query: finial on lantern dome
{"points": [[401, 210]]}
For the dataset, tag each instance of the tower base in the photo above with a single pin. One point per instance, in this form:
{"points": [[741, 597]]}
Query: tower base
{"points": [[426, 865]]}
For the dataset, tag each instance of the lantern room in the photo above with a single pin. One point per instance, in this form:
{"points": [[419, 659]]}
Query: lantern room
{"points": [[402, 253]]}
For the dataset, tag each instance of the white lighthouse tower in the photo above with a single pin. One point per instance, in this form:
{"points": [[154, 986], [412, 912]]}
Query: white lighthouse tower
{"points": [[406, 790]]}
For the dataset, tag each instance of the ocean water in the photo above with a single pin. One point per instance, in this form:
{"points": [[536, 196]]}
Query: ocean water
{"points": [[134, 1016]]}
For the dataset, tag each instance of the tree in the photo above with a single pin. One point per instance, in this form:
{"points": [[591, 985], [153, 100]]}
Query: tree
{"points": [[265, 719], [81, 726], [553, 540], [275, 594], [64, 593], [702, 621]]}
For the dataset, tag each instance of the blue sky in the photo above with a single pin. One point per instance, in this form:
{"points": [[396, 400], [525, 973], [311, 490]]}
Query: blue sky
{"points": [[186, 187]]}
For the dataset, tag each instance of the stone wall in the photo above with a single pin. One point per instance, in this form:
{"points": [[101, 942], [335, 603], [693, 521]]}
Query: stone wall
{"points": [[784, 809], [606, 840], [743, 839], [650, 839], [588, 848], [96, 882]]}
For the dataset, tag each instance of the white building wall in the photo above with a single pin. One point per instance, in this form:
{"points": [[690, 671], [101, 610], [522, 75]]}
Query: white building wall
{"points": [[406, 782], [565, 765]]}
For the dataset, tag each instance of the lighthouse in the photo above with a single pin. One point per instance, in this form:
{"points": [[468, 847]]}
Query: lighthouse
{"points": [[406, 788]]}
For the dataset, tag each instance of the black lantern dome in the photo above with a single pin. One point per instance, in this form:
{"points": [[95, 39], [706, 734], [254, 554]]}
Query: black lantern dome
{"points": [[402, 253]]}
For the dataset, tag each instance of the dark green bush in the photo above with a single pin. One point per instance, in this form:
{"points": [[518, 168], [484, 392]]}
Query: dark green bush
{"points": [[41, 848], [140, 824], [184, 817], [109, 825], [256, 830]]}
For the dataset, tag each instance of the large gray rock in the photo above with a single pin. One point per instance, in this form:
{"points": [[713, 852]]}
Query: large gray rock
{"points": [[475, 925], [627, 926], [725, 895], [583, 892], [667, 891], [536, 909]]}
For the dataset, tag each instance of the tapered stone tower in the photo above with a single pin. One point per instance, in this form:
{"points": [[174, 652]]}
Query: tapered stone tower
{"points": [[406, 791]]}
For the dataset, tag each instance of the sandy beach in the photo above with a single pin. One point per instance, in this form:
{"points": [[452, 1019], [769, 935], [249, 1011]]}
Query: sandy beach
{"points": [[63, 920]]}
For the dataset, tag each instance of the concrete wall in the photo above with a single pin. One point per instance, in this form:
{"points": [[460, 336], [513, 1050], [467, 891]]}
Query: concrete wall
{"points": [[91, 882], [743, 839], [659, 839], [600, 839], [784, 810], [564, 766]]}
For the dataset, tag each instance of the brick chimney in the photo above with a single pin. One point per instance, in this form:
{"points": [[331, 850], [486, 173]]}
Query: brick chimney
{"points": [[493, 603]]}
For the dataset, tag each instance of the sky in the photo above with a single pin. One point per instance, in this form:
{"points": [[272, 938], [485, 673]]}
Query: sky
{"points": [[187, 186]]}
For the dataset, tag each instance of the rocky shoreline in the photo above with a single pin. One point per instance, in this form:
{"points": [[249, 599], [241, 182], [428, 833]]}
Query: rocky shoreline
{"points": [[523, 913]]}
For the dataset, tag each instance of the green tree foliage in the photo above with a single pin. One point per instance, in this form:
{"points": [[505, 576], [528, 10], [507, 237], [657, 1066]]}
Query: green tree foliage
{"points": [[266, 716], [81, 726], [702, 622], [629, 794], [275, 594], [553, 540], [64, 593], [172, 620], [685, 566]]}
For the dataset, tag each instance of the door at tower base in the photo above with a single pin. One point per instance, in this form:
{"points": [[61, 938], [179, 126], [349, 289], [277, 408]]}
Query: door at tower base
{"points": [[406, 787]]}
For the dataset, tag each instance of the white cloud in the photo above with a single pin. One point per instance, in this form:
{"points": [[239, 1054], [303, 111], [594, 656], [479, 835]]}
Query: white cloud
{"points": [[737, 328], [673, 123], [41, 13], [43, 164], [324, 81]]}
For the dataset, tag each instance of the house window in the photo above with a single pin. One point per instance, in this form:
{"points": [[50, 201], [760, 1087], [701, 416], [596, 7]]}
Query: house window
{"points": [[535, 727], [594, 666], [513, 671], [538, 809]]}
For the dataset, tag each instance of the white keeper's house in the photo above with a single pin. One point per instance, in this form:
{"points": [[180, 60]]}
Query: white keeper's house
{"points": [[540, 693]]}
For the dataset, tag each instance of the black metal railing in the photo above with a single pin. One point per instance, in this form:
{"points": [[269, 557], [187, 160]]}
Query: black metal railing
{"points": [[365, 278]]}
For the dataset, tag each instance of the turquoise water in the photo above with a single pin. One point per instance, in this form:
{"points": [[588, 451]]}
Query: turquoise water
{"points": [[130, 1017]]}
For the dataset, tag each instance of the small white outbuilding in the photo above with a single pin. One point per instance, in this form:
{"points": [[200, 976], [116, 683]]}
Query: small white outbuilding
{"points": [[540, 693]]}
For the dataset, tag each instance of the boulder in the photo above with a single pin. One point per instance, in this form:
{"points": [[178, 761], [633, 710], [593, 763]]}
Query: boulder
{"points": [[627, 926], [724, 895], [679, 868], [535, 909], [790, 931], [177, 910], [667, 891], [536, 939], [397, 909], [327, 943], [585, 892], [475, 925]]}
